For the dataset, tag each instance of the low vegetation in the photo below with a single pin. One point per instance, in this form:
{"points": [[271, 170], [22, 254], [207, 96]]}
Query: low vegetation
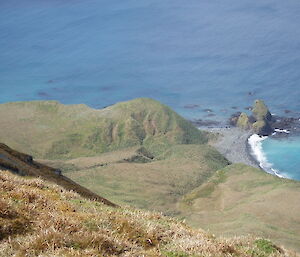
{"points": [[239, 199], [156, 184], [50, 130], [194, 182], [141, 153], [42, 219]]}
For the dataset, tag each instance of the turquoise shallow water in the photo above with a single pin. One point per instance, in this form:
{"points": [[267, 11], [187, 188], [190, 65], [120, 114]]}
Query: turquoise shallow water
{"points": [[284, 154]]}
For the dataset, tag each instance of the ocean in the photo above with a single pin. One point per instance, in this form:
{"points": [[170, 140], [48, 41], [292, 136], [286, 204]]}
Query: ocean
{"points": [[279, 156], [206, 59]]}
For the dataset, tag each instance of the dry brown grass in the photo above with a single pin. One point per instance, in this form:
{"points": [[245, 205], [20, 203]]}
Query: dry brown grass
{"points": [[42, 219], [23, 164]]}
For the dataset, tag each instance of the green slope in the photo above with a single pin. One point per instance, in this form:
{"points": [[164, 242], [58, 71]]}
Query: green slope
{"points": [[48, 129], [196, 183], [158, 184], [240, 199]]}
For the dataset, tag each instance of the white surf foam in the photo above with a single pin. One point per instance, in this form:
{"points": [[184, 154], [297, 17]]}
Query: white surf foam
{"points": [[255, 142], [282, 131]]}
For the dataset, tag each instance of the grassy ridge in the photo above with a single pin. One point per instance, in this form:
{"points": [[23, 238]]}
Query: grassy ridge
{"points": [[42, 219], [50, 130]]}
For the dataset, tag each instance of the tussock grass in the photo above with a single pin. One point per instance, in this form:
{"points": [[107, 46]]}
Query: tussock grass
{"points": [[43, 219]]}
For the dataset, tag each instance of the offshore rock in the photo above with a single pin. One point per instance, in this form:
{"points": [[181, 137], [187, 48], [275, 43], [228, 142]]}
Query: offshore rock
{"points": [[261, 111], [261, 122], [234, 118], [243, 121]]}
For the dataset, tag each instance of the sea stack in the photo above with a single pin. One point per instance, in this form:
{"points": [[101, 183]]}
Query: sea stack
{"points": [[261, 112], [259, 122], [243, 121]]}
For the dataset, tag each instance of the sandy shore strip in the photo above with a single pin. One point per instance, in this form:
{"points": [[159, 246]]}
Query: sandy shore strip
{"points": [[233, 144]]}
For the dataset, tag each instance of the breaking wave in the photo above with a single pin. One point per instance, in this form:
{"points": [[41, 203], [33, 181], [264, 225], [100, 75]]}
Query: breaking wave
{"points": [[255, 142]]}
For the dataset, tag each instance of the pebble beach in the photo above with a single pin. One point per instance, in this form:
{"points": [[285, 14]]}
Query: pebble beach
{"points": [[233, 144]]}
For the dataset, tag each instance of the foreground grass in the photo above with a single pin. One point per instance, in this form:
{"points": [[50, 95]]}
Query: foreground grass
{"points": [[42, 219]]}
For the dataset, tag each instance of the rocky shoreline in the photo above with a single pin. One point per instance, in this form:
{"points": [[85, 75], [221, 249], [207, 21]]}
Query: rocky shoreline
{"points": [[260, 121], [233, 141], [233, 144]]}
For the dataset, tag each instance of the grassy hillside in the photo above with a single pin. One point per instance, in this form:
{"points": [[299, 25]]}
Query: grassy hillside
{"points": [[146, 183], [42, 219], [196, 183], [241, 199], [143, 154], [48, 129]]}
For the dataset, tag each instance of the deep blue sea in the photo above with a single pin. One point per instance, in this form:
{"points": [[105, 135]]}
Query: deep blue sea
{"points": [[191, 55]]}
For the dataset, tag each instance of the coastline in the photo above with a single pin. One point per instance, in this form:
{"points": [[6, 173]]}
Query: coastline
{"points": [[233, 144], [242, 146]]}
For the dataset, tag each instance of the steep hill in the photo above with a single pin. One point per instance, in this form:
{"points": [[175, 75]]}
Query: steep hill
{"points": [[50, 130], [42, 219]]}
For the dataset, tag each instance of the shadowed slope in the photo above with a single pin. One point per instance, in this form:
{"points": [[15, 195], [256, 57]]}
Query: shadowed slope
{"points": [[50, 130]]}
